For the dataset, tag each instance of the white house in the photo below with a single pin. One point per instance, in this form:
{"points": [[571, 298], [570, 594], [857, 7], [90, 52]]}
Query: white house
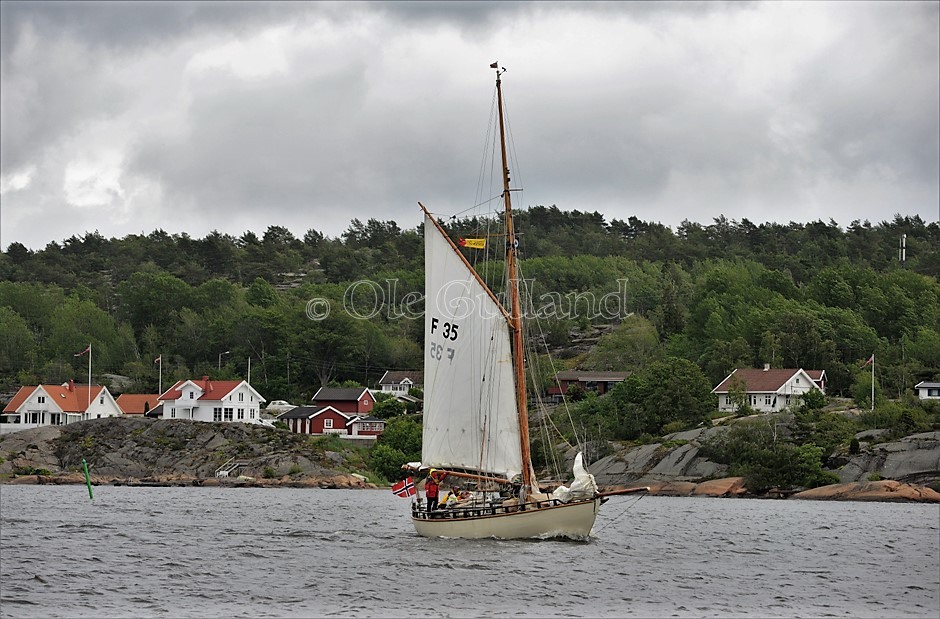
{"points": [[768, 390], [398, 382], [212, 400], [927, 391], [55, 405]]}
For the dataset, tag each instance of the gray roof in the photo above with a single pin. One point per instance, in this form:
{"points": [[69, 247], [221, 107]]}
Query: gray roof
{"points": [[925, 385], [396, 377], [299, 412], [336, 393], [592, 376], [306, 412], [368, 418]]}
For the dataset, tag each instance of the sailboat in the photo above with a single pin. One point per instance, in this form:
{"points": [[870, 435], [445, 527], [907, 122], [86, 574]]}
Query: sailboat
{"points": [[476, 431]]}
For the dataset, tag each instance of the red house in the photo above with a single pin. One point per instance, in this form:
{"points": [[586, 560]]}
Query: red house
{"points": [[344, 412], [356, 400], [598, 382]]}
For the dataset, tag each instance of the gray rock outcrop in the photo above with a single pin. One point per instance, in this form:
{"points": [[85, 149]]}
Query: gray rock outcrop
{"points": [[914, 459], [164, 449], [676, 459]]}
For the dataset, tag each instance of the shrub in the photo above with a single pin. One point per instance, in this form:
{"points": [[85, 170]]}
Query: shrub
{"points": [[331, 442], [755, 452], [28, 470], [386, 461], [675, 426], [268, 473]]}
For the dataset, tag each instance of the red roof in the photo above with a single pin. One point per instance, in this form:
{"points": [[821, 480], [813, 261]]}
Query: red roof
{"points": [[815, 374], [71, 398], [19, 398], [211, 389], [133, 403], [760, 381]]}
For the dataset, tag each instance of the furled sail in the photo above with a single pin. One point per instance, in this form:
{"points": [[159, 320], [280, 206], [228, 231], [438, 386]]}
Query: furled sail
{"points": [[470, 415]]}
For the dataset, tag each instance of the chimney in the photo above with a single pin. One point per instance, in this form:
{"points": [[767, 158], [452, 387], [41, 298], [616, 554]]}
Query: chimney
{"points": [[205, 379], [766, 366], [72, 384]]}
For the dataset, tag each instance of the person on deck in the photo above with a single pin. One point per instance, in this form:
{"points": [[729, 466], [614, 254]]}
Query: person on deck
{"points": [[431, 490]]}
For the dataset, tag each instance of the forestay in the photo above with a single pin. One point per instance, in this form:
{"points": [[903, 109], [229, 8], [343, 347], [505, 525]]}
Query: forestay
{"points": [[470, 415]]}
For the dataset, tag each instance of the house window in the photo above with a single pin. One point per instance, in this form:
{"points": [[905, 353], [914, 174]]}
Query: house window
{"points": [[101, 400], [172, 413], [327, 424], [228, 414], [41, 399], [241, 413], [217, 414], [767, 399], [366, 401], [933, 393], [798, 381], [241, 397], [251, 414], [191, 394]]}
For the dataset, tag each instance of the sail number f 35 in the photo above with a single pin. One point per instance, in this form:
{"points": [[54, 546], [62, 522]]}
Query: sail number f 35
{"points": [[446, 330]]}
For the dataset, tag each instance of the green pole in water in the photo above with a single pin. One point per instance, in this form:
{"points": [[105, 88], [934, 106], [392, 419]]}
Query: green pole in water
{"points": [[87, 479]]}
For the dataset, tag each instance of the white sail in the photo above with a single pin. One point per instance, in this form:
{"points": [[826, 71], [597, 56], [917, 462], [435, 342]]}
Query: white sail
{"points": [[470, 416]]}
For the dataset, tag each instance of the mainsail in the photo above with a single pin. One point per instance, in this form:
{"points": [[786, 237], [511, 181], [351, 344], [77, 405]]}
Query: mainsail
{"points": [[470, 415]]}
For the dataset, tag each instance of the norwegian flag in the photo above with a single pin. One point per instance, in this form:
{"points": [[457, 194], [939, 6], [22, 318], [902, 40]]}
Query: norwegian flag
{"points": [[405, 488], [79, 354]]}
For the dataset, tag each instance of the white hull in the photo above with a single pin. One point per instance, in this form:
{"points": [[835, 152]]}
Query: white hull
{"points": [[574, 520]]}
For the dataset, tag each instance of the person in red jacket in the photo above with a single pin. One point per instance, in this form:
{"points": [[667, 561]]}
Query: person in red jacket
{"points": [[431, 491]]}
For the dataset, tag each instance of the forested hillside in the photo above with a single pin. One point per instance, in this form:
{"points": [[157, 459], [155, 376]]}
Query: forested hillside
{"points": [[722, 295]]}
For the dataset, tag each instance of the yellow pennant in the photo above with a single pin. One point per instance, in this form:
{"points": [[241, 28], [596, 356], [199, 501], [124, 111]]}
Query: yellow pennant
{"points": [[473, 243]]}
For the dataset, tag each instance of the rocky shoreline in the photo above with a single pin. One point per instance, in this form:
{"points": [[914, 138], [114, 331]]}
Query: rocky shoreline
{"points": [[887, 490], [729, 487], [160, 453], [333, 482]]}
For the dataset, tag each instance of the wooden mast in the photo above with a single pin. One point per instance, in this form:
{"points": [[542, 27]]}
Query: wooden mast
{"points": [[515, 313]]}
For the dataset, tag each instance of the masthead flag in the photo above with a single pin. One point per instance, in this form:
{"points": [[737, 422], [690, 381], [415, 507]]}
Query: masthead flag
{"points": [[158, 359], [870, 360], [79, 354], [405, 488]]}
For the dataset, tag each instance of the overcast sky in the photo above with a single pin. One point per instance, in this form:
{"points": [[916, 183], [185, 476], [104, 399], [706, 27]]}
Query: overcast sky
{"points": [[128, 117]]}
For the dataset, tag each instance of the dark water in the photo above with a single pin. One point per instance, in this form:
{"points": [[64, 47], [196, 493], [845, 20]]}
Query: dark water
{"points": [[224, 552]]}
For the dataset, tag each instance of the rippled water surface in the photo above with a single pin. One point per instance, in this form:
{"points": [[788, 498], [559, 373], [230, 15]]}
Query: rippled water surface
{"points": [[224, 552]]}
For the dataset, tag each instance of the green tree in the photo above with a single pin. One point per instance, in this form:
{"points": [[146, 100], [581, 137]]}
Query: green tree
{"points": [[666, 391], [17, 346], [633, 344], [388, 407]]}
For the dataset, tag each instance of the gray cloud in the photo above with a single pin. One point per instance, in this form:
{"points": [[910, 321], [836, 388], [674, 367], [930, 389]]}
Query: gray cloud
{"points": [[125, 117]]}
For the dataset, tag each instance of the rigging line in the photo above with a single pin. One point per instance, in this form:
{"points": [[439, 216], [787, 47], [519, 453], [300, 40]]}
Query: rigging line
{"points": [[486, 144], [625, 510], [564, 397], [477, 205]]}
